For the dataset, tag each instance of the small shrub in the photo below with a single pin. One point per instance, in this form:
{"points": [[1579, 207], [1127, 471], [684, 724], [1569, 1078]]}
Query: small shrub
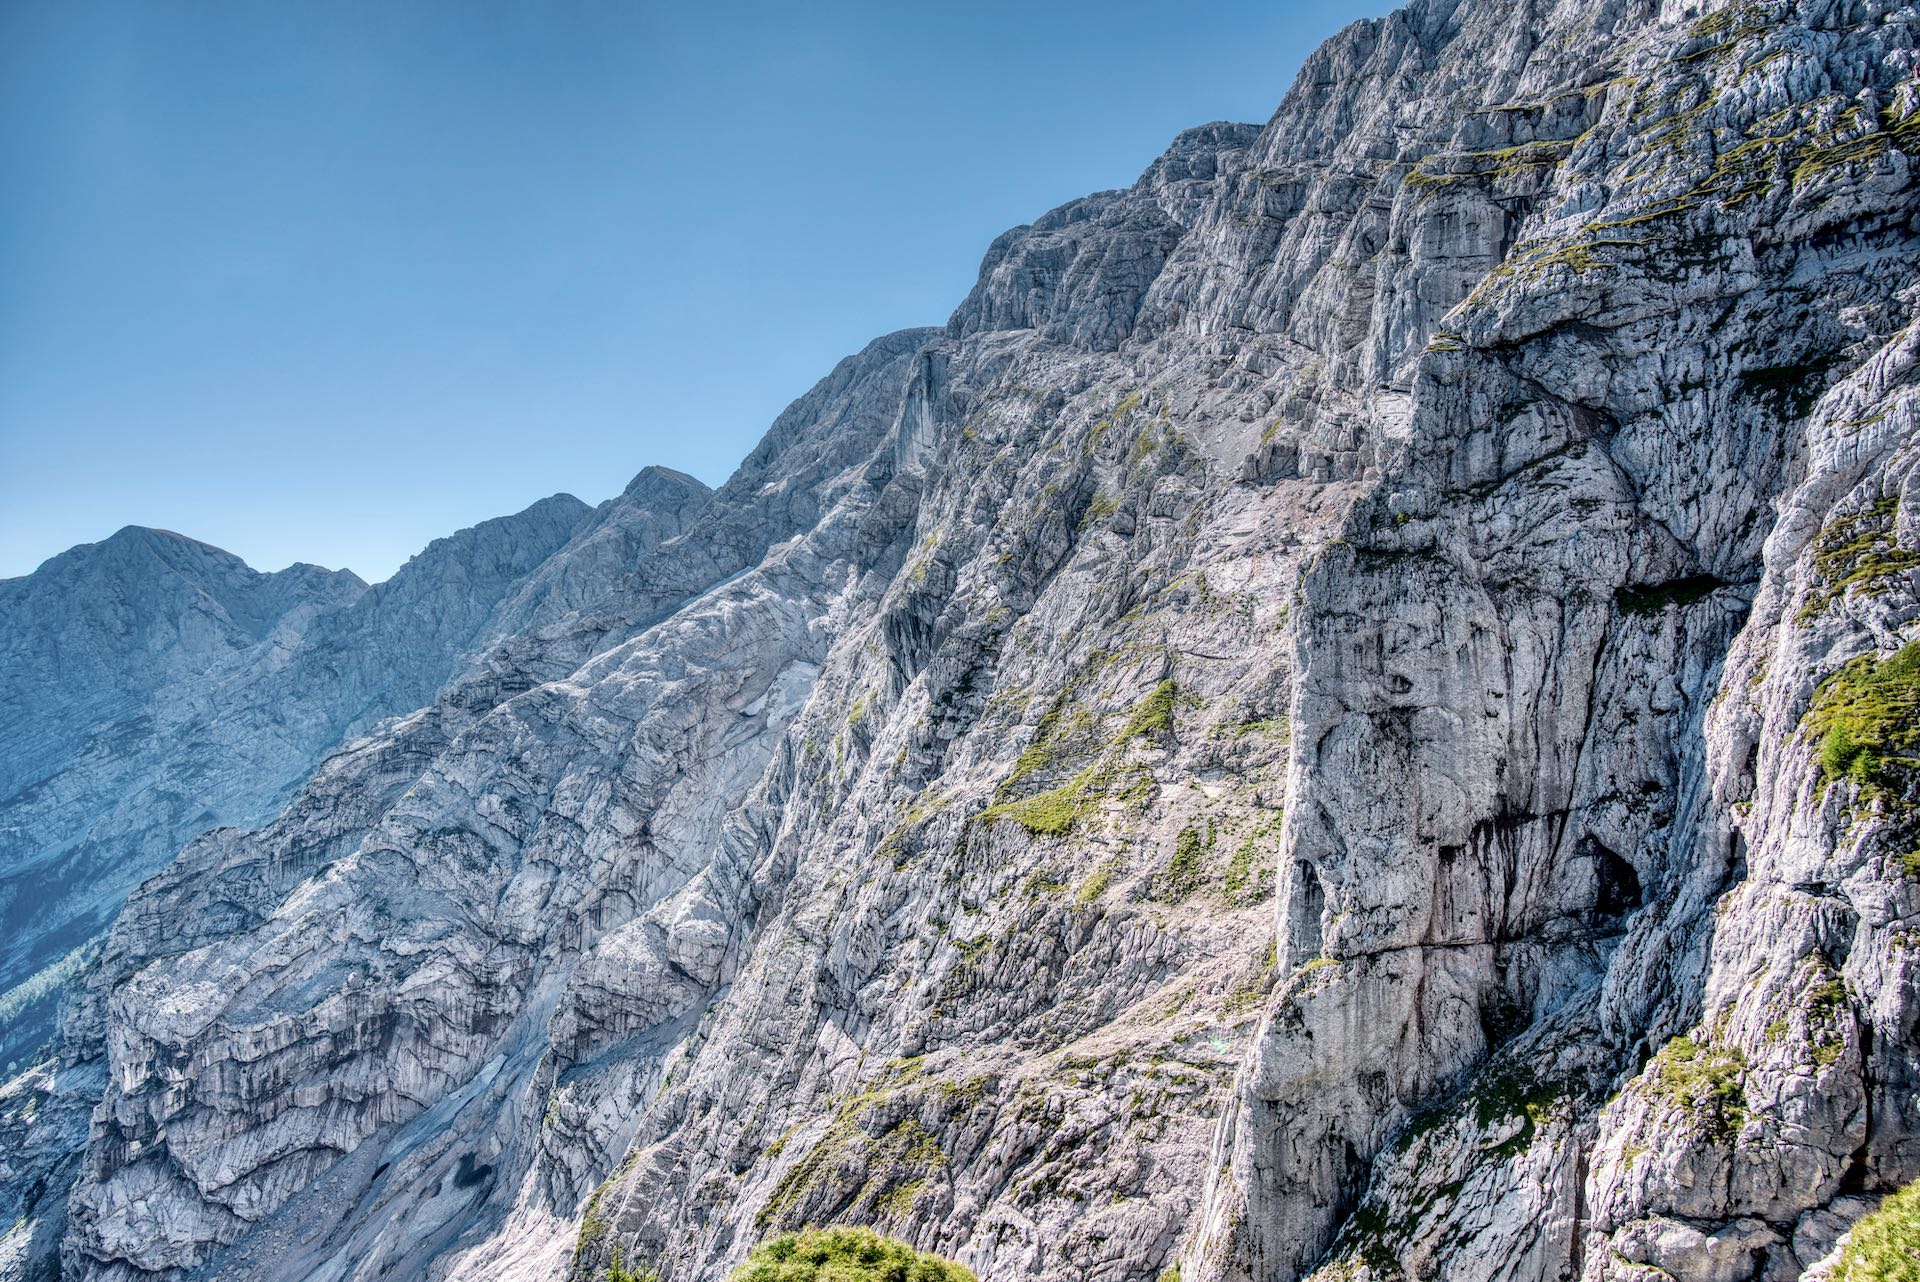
{"points": [[844, 1255], [617, 1271]]}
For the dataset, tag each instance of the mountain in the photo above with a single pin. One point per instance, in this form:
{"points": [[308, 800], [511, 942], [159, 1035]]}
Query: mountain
{"points": [[1354, 714], [162, 688]]}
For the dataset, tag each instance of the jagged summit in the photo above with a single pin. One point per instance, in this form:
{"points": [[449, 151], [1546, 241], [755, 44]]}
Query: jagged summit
{"points": [[654, 477]]}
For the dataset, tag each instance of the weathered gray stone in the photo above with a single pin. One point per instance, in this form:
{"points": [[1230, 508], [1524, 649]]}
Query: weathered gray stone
{"points": [[1273, 745]]}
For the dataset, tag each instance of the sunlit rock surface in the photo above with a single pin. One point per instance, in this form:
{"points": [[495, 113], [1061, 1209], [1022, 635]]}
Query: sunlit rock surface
{"points": [[1352, 714]]}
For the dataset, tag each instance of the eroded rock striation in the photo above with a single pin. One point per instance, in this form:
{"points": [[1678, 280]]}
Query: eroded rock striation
{"points": [[1354, 714]]}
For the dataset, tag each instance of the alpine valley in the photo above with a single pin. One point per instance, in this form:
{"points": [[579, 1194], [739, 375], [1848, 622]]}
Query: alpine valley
{"points": [[1354, 715]]}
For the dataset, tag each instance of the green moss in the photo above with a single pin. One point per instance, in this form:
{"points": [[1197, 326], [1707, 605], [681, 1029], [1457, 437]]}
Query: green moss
{"points": [[1266, 727], [1816, 158], [898, 845], [1041, 883], [1094, 886], [1885, 1246], [1098, 432], [1508, 1091], [1054, 812], [1903, 127], [844, 1255], [1495, 163], [899, 1202], [1250, 878], [1729, 19], [1709, 1081], [1866, 720], [1827, 1006], [1143, 445], [1745, 172], [900, 1155], [594, 1226]]}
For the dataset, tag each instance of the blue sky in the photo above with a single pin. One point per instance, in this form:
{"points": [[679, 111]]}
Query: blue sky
{"points": [[321, 280]]}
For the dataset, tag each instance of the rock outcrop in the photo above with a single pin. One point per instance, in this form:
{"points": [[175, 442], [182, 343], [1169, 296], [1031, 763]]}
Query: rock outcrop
{"points": [[1355, 713]]}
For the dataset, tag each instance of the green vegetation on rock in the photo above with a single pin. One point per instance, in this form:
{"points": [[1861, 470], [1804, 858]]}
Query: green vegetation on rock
{"points": [[1866, 720], [1182, 875], [1707, 1080], [844, 1255], [617, 1271], [1857, 553], [1154, 714], [1885, 1246]]}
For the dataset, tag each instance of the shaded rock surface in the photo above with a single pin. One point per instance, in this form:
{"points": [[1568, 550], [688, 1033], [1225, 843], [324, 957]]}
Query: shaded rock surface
{"points": [[1352, 714], [158, 687]]}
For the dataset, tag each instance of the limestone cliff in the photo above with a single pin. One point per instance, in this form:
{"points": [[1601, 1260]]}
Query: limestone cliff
{"points": [[1355, 713]]}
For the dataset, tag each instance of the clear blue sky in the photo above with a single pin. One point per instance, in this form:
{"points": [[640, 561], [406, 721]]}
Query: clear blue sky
{"points": [[321, 280]]}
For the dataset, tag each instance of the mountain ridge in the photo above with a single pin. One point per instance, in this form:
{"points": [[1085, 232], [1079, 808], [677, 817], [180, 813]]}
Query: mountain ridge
{"points": [[1295, 737]]}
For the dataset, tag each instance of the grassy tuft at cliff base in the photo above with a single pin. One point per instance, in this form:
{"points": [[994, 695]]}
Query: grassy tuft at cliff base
{"points": [[1885, 1246], [844, 1255]]}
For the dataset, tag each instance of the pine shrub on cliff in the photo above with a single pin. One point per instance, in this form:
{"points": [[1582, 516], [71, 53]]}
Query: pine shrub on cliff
{"points": [[844, 1255]]}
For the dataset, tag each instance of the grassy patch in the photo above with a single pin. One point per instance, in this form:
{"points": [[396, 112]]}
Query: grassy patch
{"points": [[844, 1255], [1099, 509], [1052, 813], [901, 1156], [1866, 720], [1250, 873], [1885, 1246], [1094, 886], [1857, 553], [1181, 877], [1154, 714], [617, 1271], [1709, 1081]]}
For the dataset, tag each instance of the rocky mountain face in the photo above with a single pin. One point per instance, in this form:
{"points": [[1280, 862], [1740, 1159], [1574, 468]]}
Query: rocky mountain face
{"points": [[1354, 714], [160, 687]]}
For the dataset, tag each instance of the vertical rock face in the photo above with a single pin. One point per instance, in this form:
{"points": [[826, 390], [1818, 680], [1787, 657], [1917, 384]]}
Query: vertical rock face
{"points": [[1541, 828], [1352, 714]]}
